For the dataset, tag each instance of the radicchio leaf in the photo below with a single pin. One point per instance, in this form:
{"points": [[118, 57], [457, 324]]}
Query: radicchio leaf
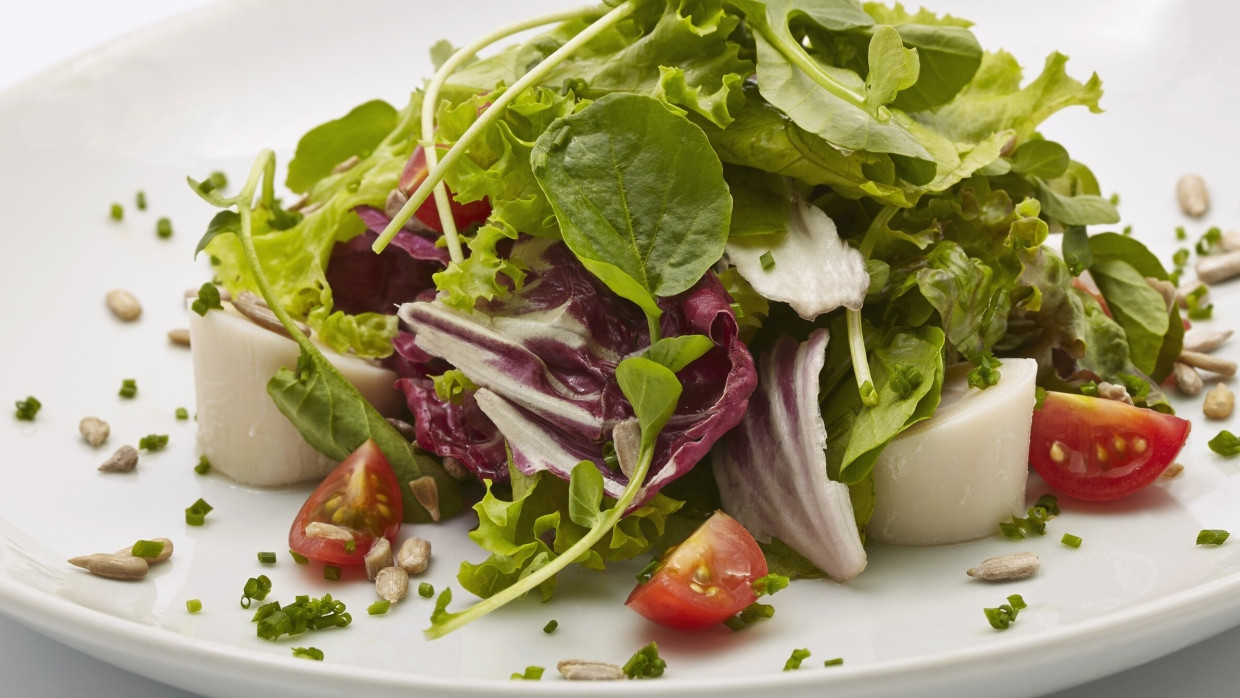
{"points": [[363, 282], [772, 469], [545, 360]]}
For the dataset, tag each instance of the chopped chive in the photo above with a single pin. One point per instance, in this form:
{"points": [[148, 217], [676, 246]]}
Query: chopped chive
{"points": [[749, 615], [163, 227], [129, 388], [193, 605], [426, 590], [551, 626], [350, 547], [182, 413], [1212, 536], [1011, 531], [834, 662], [147, 548], [140, 200], [1089, 389], [767, 260], [28, 408], [218, 179], [208, 299], [769, 584], [255, 589], [1049, 503], [203, 467], [267, 558], [649, 570], [196, 513], [331, 572], [308, 653], [1225, 444], [794, 662], [305, 613], [153, 442], [379, 607], [645, 663], [298, 557], [117, 212], [1003, 616], [1181, 233], [1071, 541], [532, 673]]}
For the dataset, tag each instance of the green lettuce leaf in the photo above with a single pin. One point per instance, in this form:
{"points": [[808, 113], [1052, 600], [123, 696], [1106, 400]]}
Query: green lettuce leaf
{"points": [[540, 521]]}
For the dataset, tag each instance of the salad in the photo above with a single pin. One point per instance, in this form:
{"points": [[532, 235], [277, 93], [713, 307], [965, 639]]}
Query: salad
{"points": [[668, 258]]}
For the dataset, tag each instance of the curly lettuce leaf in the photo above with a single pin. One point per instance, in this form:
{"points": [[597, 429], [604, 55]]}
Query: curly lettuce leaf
{"points": [[538, 522]]}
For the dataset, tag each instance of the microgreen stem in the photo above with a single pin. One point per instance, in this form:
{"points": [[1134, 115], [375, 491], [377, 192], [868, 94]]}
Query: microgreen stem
{"points": [[861, 363], [488, 117], [431, 103], [871, 234], [581, 547]]}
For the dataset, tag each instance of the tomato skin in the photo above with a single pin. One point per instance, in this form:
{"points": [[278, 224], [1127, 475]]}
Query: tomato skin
{"points": [[465, 215], [705, 580], [1099, 450], [364, 488]]}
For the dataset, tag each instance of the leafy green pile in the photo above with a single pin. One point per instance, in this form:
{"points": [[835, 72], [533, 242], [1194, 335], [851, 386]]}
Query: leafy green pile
{"points": [[661, 141]]}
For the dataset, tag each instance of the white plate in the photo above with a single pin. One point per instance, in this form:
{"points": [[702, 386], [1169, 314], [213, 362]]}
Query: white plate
{"points": [[207, 91]]}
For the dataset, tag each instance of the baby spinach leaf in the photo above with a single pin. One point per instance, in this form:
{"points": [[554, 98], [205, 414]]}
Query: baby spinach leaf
{"points": [[327, 145], [1046, 159], [1076, 249], [335, 419], [677, 352], [761, 202], [639, 195], [653, 391], [1137, 307]]}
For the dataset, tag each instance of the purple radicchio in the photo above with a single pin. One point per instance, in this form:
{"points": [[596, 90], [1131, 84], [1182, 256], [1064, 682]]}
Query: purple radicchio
{"points": [[545, 357], [363, 282], [772, 469]]}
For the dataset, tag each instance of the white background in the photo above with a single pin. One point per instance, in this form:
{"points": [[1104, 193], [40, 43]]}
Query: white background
{"points": [[35, 36]]}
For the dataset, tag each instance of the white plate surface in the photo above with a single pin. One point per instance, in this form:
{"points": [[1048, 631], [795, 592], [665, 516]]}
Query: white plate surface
{"points": [[207, 91]]}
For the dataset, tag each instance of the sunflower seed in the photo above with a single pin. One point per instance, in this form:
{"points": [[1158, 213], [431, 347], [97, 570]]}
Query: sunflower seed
{"points": [[1205, 340], [378, 557], [414, 555], [1218, 267], [94, 430], [1206, 362], [1188, 379], [124, 460], [587, 670], [124, 305], [1219, 402], [1193, 196], [125, 567], [427, 493], [179, 336], [392, 584], [1007, 567], [318, 529]]}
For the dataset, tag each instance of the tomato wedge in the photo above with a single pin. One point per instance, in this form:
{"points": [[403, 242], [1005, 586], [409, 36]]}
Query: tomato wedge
{"points": [[705, 580], [465, 215], [360, 496], [1097, 449]]}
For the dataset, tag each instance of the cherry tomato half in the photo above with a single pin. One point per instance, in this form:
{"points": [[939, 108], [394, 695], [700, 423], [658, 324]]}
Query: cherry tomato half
{"points": [[465, 215], [360, 496], [1097, 449], [704, 580]]}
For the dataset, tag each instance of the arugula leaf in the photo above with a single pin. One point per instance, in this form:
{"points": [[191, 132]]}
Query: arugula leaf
{"points": [[826, 100], [639, 195], [325, 146]]}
